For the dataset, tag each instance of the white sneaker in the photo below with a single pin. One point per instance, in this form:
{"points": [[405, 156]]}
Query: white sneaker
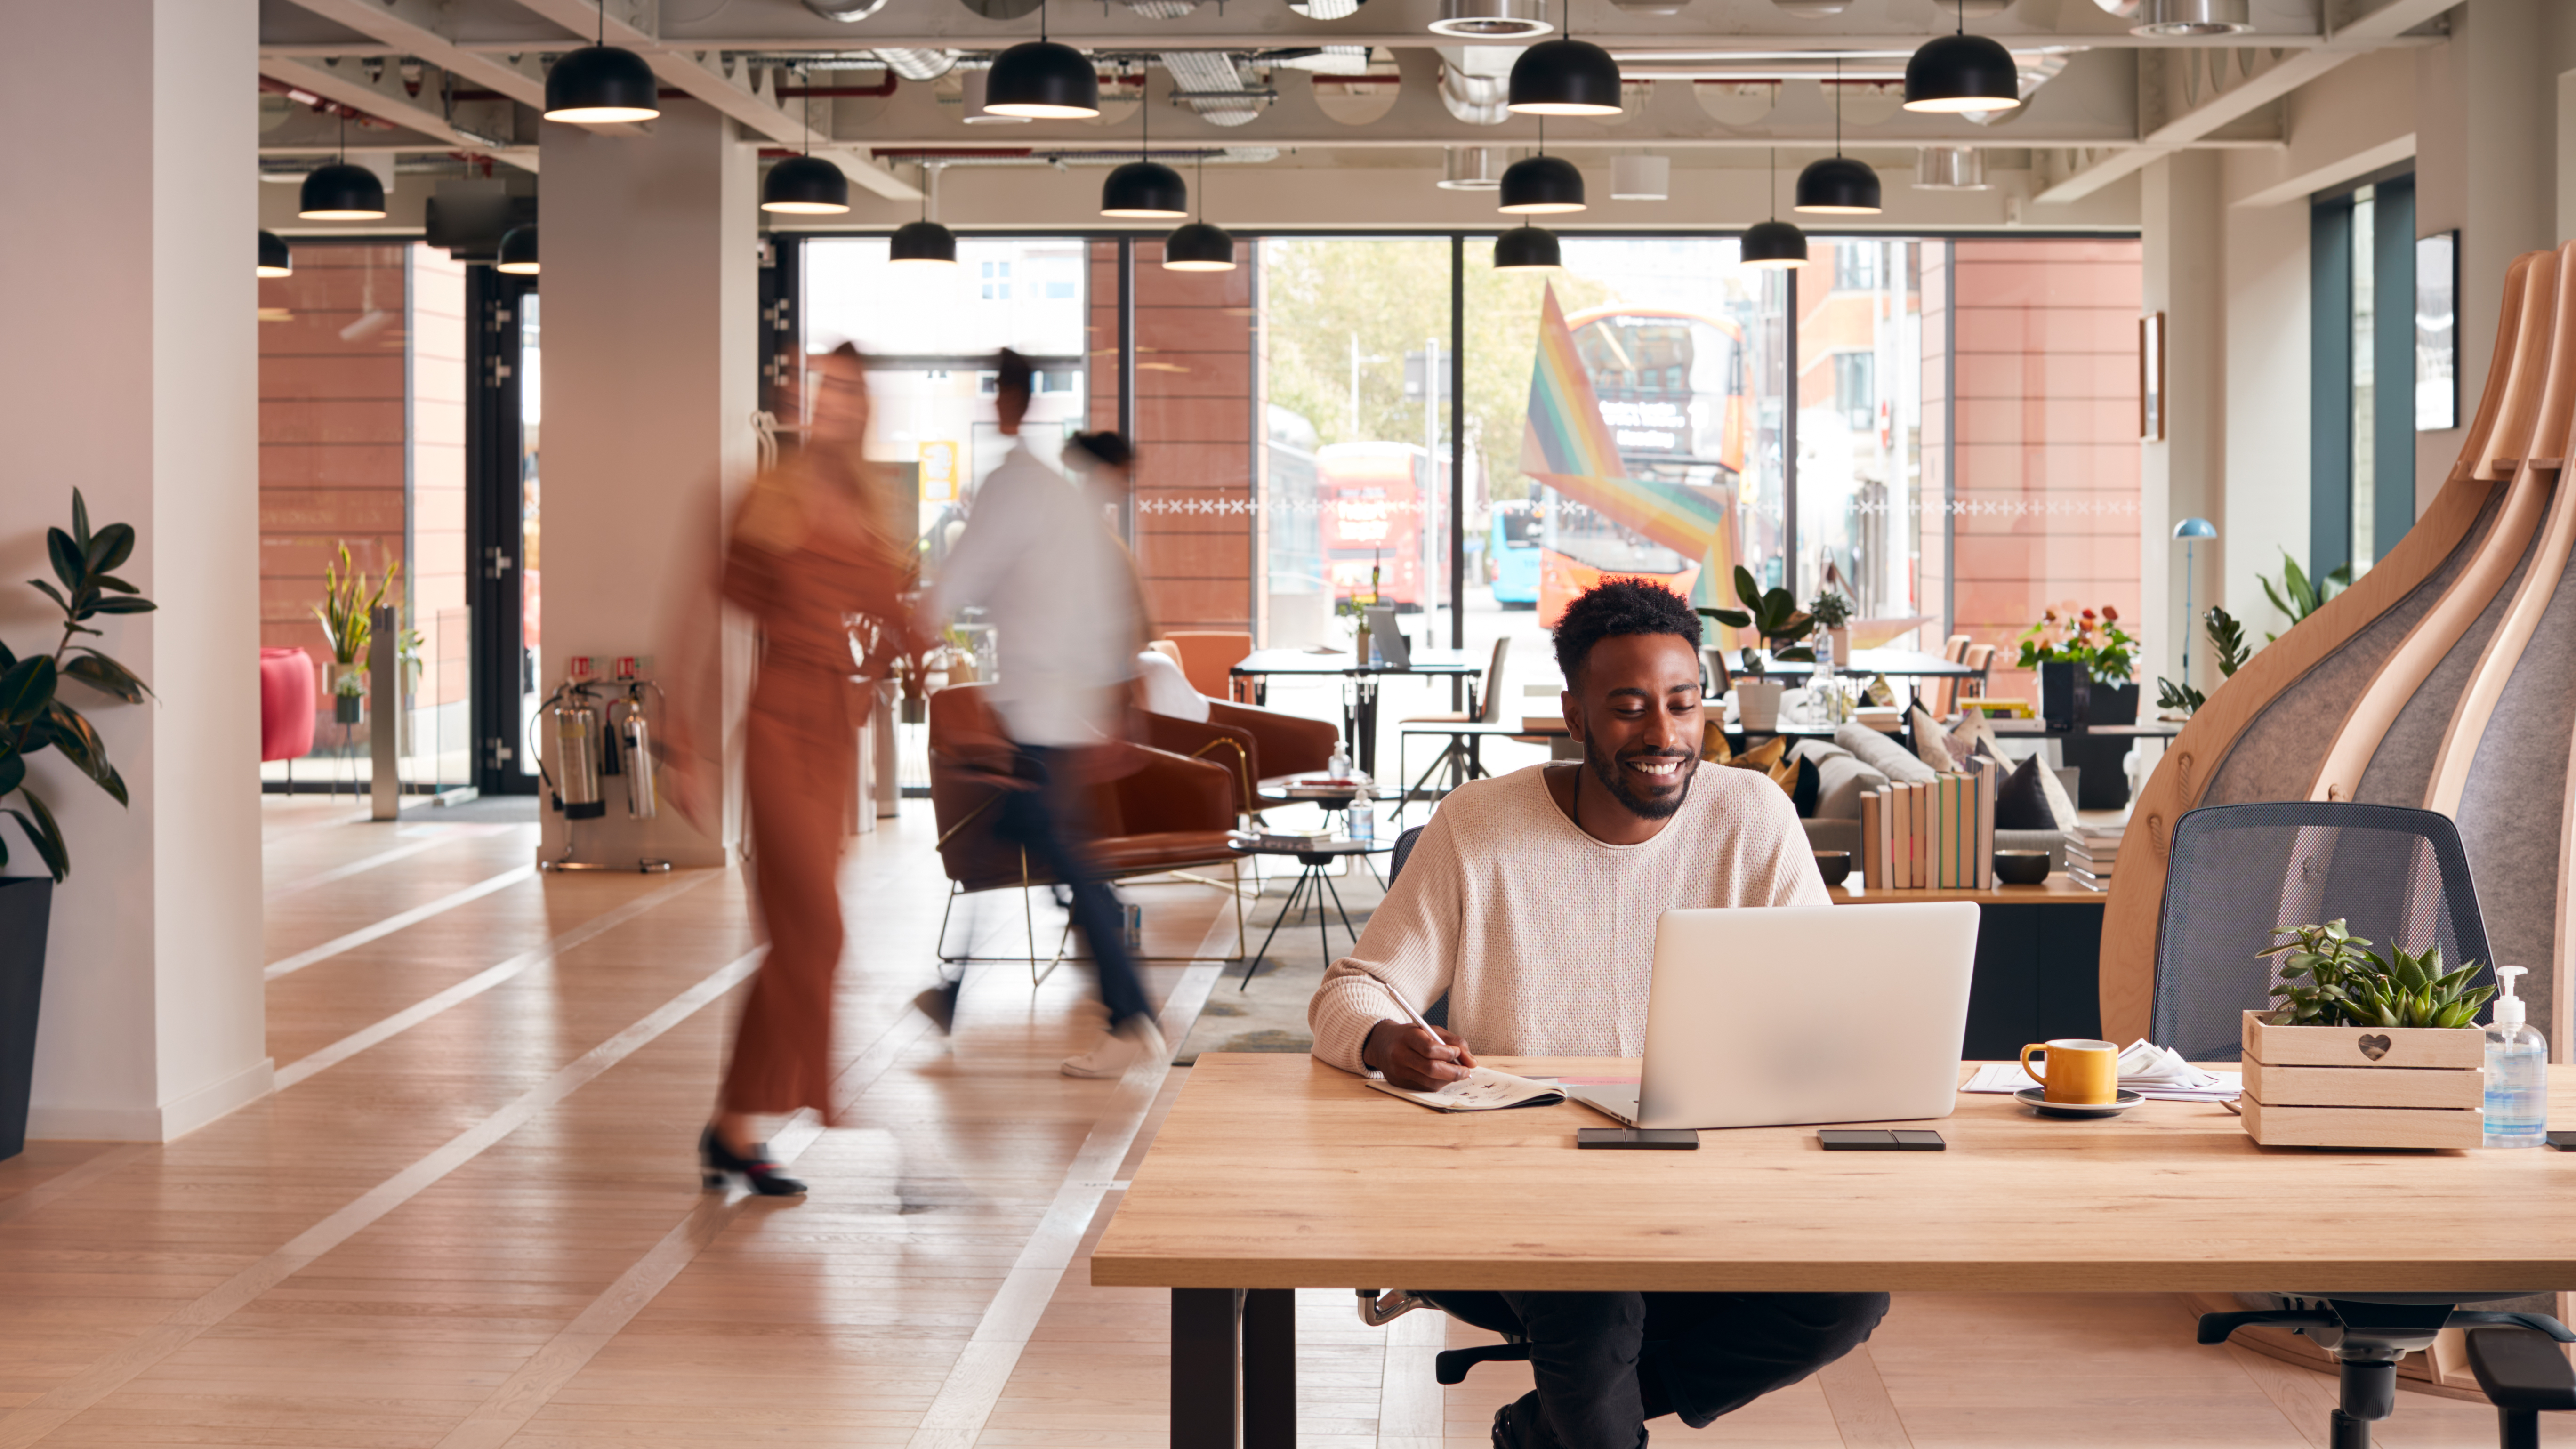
{"points": [[1119, 1050]]}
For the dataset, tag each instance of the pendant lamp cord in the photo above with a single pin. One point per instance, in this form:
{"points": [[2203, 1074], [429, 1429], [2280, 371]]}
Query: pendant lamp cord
{"points": [[1145, 109], [1201, 186], [1838, 108], [1773, 190], [603, 22]]}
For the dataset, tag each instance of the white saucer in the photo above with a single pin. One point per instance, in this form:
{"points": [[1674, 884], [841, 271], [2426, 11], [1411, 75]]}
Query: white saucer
{"points": [[2032, 1097]]}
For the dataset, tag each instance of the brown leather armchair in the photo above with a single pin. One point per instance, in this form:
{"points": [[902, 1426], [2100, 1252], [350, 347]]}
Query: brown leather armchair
{"points": [[1252, 744], [1167, 813]]}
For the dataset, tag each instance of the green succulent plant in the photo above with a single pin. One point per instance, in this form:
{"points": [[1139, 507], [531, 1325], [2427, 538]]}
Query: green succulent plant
{"points": [[2346, 984]]}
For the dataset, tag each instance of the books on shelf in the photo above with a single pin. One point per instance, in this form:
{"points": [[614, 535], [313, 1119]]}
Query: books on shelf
{"points": [[2091, 853], [1934, 835]]}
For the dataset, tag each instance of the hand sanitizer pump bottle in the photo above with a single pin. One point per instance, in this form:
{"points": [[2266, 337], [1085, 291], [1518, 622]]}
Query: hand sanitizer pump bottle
{"points": [[2517, 1073]]}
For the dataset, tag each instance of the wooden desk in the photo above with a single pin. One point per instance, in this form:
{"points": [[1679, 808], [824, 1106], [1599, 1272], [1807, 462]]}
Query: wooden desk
{"points": [[2039, 961], [1275, 1173], [1359, 710]]}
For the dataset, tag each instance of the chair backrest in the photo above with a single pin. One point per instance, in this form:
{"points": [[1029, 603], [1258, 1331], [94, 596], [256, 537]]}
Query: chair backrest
{"points": [[1207, 655], [1403, 851], [2397, 877], [1489, 705], [1981, 658], [1945, 692]]}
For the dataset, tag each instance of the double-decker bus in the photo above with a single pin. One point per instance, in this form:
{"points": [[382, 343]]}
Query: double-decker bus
{"points": [[1383, 507], [1675, 395]]}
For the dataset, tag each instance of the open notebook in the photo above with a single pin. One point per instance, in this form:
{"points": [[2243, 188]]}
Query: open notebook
{"points": [[1483, 1089]]}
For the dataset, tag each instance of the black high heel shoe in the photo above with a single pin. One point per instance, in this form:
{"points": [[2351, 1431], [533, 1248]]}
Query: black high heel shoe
{"points": [[758, 1173]]}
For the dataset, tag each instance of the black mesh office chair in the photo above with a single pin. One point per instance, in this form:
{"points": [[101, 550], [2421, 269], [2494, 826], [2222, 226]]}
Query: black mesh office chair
{"points": [[2400, 878], [2524, 1376]]}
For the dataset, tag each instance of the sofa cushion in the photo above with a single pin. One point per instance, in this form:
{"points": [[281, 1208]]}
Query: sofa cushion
{"points": [[2022, 802], [1930, 744], [1884, 755], [1841, 779]]}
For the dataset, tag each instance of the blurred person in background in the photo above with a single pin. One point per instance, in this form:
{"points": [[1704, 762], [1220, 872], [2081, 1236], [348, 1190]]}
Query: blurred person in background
{"points": [[1037, 556], [811, 547]]}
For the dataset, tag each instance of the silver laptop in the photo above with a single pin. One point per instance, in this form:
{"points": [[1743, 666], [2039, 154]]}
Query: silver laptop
{"points": [[1390, 641], [1770, 1016]]}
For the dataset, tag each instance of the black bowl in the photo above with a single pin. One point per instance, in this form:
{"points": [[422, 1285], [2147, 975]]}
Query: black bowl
{"points": [[2021, 867], [1834, 866]]}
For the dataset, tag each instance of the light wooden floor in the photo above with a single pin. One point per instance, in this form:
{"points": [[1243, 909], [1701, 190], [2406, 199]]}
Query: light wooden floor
{"points": [[470, 1216]]}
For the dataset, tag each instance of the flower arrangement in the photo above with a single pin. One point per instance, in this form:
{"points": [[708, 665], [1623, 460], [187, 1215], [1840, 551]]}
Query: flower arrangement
{"points": [[2072, 634]]}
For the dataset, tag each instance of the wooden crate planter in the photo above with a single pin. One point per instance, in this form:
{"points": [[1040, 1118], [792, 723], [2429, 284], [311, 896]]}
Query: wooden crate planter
{"points": [[2352, 1086]]}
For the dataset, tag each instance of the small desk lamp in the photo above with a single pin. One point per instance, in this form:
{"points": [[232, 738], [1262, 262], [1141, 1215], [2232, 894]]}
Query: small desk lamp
{"points": [[2190, 531]]}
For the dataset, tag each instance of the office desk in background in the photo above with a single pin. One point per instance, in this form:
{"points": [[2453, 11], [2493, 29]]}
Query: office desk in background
{"points": [[1359, 705], [1275, 1173]]}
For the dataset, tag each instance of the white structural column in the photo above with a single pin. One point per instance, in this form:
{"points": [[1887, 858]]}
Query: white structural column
{"points": [[2181, 477], [133, 313], [2482, 166], [649, 307]]}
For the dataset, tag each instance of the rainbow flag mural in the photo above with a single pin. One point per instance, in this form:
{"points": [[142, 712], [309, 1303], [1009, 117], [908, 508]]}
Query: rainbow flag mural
{"points": [[1568, 447]]}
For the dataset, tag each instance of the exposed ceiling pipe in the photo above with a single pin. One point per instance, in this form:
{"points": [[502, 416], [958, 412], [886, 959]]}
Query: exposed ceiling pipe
{"points": [[1023, 156], [1476, 82], [918, 65], [1210, 71]]}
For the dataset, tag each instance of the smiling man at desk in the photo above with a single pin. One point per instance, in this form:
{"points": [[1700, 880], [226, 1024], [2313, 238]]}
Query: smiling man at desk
{"points": [[1530, 902]]}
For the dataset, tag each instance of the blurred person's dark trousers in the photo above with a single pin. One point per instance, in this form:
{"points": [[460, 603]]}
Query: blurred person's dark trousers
{"points": [[1605, 1363], [1049, 823]]}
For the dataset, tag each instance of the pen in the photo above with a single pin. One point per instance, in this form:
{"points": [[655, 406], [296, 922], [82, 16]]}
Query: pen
{"points": [[1419, 1019]]}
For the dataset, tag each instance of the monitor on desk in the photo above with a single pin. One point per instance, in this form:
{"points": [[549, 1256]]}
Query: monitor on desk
{"points": [[1772, 1016], [1389, 639]]}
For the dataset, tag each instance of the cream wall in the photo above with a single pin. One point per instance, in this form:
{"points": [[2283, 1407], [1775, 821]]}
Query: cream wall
{"points": [[136, 380]]}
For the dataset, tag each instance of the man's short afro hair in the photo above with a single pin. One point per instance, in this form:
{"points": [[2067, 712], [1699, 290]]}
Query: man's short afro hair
{"points": [[1619, 606]]}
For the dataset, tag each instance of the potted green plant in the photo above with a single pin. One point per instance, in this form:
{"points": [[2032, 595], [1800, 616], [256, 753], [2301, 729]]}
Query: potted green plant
{"points": [[2365, 1050], [2084, 660], [34, 718], [1832, 613], [347, 612], [1774, 618]]}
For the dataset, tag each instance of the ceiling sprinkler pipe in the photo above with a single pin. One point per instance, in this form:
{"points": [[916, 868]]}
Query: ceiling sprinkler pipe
{"points": [[2167, 18]]}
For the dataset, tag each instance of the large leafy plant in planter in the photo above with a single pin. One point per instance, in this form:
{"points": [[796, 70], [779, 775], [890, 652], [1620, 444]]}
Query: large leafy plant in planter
{"points": [[1773, 616], [33, 715]]}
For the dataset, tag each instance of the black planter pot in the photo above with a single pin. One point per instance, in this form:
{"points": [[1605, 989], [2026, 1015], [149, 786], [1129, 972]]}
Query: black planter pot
{"points": [[2114, 704], [26, 904], [2065, 695], [344, 708]]}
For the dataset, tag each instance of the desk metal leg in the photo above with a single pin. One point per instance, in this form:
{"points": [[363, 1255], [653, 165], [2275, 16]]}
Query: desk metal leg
{"points": [[1204, 1365], [1270, 1368], [1253, 964]]}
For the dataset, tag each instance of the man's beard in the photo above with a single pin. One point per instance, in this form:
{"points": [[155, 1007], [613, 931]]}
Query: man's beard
{"points": [[1605, 768]]}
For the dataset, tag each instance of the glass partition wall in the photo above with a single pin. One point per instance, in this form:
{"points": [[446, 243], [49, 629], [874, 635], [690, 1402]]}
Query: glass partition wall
{"points": [[1941, 430]]}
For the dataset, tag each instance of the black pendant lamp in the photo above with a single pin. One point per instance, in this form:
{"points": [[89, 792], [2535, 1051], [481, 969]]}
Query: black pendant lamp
{"points": [[924, 241], [1199, 246], [1540, 185], [274, 259], [1043, 81], [1565, 77], [1838, 185], [600, 84], [338, 191], [1526, 247], [1145, 188], [803, 185], [1774, 243], [1962, 72], [518, 252]]}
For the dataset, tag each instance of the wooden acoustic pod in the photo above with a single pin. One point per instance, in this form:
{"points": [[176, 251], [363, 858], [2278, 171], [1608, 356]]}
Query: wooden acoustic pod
{"points": [[2439, 679], [2444, 679]]}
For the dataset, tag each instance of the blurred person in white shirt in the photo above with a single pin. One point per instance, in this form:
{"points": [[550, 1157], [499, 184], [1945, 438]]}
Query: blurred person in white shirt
{"points": [[1038, 558]]}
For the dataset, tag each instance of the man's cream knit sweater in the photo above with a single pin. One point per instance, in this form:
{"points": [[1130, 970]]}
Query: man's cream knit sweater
{"points": [[1542, 937]]}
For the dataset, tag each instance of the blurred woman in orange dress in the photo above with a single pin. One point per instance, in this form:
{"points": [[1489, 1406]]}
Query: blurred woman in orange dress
{"points": [[811, 552]]}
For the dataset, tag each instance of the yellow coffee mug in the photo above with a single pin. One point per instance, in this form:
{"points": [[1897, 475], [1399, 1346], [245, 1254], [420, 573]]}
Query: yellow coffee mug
{"points": [[2077, 1072]]}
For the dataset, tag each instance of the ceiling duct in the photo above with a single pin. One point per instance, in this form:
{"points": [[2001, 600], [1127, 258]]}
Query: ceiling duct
{"points": [[1949, 168], [1476, 82], [1211, 73], [1159, 9], [1062, 158], [848, 12], [1323, 60], [918, 65]]}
